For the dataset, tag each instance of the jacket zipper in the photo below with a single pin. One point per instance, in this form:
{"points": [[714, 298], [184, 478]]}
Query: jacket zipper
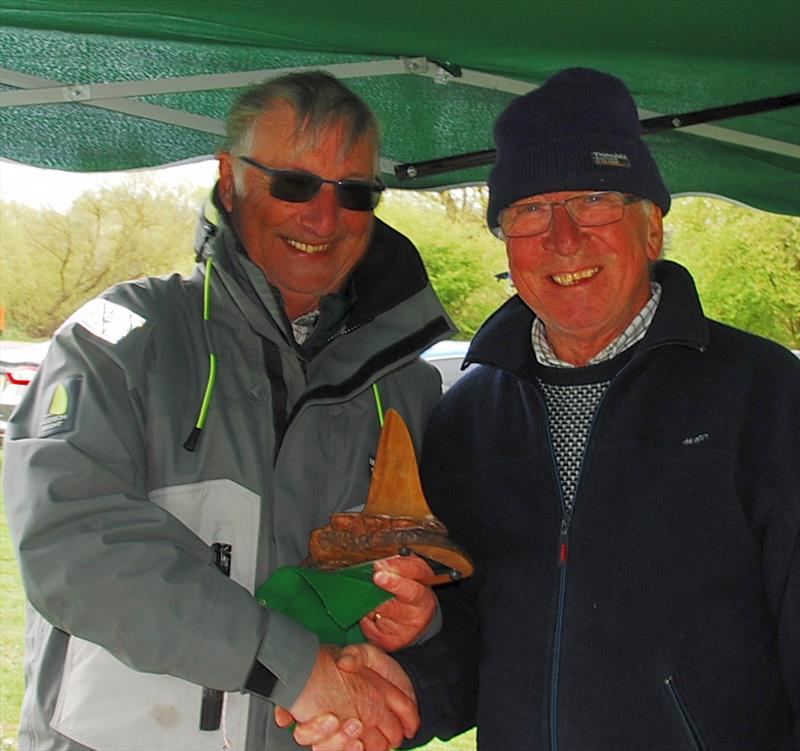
{"points": [[563, 556], [561, 563], [686, 721], [554, 670], [563, 538], [563, 544], [347, 330], [212, 701]]}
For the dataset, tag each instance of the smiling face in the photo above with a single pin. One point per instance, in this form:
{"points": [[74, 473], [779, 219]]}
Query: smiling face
{"points": [[586, 283], [306, 250]]}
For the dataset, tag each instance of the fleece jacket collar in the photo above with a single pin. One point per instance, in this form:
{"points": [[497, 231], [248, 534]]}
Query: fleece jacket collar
{"points": [[504, 340]]}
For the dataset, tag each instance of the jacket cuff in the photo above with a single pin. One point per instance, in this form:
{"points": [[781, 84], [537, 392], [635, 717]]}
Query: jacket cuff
{"points": [[284, 661], [261, 680]]}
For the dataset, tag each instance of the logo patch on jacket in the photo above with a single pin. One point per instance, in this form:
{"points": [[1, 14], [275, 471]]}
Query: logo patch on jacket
{"points": [[61, 409]]}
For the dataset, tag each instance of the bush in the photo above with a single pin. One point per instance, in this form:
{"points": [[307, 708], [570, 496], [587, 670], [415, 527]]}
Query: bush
{"points": [[746, 264], [461, 255]]}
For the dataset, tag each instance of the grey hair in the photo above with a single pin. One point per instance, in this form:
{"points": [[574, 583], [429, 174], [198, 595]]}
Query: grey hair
{"points": [[319, 101]]}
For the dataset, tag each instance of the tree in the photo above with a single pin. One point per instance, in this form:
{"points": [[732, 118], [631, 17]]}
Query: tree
{"points": [[746, 264], [460, 254], [53, 262]]}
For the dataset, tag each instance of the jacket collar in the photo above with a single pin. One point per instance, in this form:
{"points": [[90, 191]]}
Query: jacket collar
{"points": [[390, 272], [504, 340]]}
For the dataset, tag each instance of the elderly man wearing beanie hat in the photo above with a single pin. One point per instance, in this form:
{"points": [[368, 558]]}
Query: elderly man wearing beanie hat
{"points": [[624, 472]]}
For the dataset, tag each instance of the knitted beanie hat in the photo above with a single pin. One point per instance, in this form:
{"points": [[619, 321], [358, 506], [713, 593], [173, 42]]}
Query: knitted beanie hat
{"points": [[578, 131]]}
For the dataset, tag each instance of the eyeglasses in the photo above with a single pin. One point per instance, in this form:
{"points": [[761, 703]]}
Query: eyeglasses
{"points": [[299, 187], [588, 210]]}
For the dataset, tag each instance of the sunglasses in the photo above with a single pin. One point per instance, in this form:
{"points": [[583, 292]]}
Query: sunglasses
{"points": [[299, 187]]}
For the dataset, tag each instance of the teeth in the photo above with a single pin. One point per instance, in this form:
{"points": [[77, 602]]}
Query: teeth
{"points": [[306, 248], [565, 280]]}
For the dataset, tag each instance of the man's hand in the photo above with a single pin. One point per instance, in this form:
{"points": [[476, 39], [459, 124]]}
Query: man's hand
{"points": [[400, 621], [377, 714], [357, 657]]}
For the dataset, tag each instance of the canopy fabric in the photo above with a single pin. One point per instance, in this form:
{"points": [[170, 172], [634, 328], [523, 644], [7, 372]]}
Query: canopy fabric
{"points": [[122, 84]]}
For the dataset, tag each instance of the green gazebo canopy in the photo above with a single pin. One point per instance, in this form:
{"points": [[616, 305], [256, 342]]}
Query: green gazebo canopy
{"points": [[115, 84]]}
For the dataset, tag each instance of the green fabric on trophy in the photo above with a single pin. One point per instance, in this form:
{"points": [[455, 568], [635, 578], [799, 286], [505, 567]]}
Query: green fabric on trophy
{"points": [[329, 603]]}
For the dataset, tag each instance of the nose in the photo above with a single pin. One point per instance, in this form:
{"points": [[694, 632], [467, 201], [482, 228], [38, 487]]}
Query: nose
{"points": [[564, 236], [320, 215]]}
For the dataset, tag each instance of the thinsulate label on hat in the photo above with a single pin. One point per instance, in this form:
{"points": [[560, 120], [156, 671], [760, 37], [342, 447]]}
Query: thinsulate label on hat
{"points": [[608, 159]]}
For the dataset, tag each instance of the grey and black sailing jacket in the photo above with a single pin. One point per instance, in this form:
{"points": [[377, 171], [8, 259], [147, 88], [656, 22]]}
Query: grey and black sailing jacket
{"points": [[115, 521]]}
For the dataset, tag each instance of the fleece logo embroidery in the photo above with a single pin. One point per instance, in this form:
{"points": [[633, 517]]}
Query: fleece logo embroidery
{"points": [[60, 415], [694, 440], [607, 159]]}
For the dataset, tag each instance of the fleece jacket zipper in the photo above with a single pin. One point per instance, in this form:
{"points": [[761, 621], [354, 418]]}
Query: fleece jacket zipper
{"points": [[563, 543], [562, 560]]}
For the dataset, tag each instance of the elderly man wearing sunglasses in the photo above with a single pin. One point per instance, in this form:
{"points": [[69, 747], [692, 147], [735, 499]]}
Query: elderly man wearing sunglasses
{"points": [[185, 435]]}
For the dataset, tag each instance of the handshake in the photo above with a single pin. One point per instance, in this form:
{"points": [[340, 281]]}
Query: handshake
{"points": [[359, 698]]}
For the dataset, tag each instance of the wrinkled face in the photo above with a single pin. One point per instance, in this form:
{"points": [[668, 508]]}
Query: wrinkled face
{"points": [[306, 250], [586, 283]]}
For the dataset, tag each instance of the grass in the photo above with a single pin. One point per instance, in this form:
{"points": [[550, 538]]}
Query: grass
{"points": [[465, 742], [12, 639]]}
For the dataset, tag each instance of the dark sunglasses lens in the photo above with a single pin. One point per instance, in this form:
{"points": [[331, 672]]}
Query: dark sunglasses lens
{"points": [[296, 187], [357, 196]]}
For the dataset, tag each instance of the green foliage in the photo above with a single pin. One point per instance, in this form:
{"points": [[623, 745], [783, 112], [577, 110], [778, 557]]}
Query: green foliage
{"points": [[459, 252], [746, 264], [53, 262]]}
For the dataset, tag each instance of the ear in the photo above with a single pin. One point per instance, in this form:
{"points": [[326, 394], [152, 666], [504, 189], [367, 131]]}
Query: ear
{"points": [[655, 233], [226, 185]]}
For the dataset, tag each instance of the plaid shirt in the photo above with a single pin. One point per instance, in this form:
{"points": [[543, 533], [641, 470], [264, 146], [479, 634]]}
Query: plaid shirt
{"points": [[635, 331], [304, 325]]}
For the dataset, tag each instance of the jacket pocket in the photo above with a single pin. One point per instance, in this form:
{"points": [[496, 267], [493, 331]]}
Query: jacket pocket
{"points": [[219, 511], [687, 723], [108, 706]]}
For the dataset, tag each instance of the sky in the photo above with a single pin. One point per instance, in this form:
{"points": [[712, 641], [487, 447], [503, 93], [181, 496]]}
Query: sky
{"points": [[57, 190]]}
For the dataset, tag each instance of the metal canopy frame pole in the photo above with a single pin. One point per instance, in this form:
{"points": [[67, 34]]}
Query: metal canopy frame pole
{"points": [[690, 122], [53, 92], [33, 90], [115, 97]]}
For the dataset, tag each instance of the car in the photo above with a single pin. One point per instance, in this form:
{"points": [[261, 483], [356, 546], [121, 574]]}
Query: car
{"points": [[447, 356], [19, 362]]}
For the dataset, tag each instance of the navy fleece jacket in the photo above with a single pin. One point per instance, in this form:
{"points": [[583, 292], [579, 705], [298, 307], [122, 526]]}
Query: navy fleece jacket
{"points": [[675, 621]]}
